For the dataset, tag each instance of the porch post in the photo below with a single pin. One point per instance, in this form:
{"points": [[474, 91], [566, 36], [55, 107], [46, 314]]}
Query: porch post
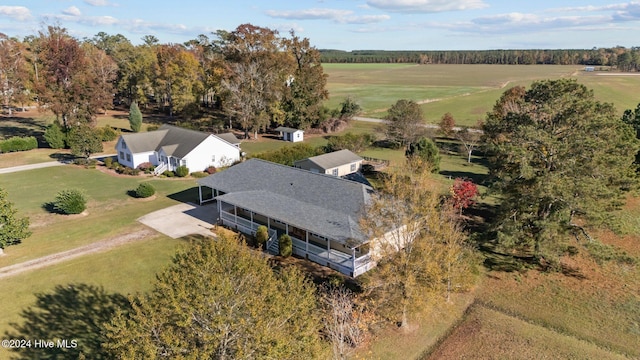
{"points": [[235, 214], [219, 210], [286, 227], [353, 259], [306, 245], [328, 249], [268, 223], [251, 216], [200, 193]]}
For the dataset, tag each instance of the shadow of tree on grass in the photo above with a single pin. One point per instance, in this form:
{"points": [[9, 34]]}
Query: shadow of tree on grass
{"points": [[75, 313]]}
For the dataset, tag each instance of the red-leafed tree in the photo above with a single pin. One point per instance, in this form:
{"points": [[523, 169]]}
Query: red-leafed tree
{"points": [[463, 193]]}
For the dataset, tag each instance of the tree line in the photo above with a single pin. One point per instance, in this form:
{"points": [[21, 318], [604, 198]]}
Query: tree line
{"points": [[252, 76], [625, 59]]}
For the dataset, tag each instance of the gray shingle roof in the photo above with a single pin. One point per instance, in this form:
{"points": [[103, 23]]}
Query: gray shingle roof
{"points": [[286, 129], [175, 141], [334, 159], [229, 137], [319, 203]]}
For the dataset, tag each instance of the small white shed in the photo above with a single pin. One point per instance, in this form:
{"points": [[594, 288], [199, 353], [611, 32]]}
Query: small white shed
{"points": [[290, 134]]}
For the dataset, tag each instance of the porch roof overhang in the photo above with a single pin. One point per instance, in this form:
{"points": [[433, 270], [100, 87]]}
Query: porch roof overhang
{"points": [[334, 225]]}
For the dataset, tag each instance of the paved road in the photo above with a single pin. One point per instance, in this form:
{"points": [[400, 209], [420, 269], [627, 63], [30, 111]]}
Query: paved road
{"points": [[30, 167], [43, 165], [428, 126]]}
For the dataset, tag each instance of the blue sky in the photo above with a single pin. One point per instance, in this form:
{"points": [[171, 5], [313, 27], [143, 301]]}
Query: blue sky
{"points": [[347, 24]]}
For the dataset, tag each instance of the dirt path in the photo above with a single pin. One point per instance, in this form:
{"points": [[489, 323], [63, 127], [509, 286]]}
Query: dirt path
{"points": [[93, 248]]}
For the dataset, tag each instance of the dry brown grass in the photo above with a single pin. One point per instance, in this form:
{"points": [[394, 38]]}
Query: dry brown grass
{"points": [[489, 334]]}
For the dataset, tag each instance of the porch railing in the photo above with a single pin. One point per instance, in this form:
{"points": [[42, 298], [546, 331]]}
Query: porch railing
{"points": [[342, 262], [160, 169]]}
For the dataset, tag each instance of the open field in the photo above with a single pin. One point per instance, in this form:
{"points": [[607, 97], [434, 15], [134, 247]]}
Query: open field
{"points": [[125, 269], [128, 269], [110, 210], [468, 92], [489, 334]]}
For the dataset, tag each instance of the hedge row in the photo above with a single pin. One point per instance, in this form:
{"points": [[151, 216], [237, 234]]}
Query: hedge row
{"points": [[18, 144]]}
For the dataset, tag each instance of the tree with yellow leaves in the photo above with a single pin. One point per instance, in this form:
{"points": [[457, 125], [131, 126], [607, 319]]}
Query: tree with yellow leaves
{"points": [[419, 245]]}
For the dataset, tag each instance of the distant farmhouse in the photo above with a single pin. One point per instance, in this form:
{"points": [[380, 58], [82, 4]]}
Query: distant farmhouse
{"points": [[319, 212], [290, 134], [170, 147], [337, 163]]}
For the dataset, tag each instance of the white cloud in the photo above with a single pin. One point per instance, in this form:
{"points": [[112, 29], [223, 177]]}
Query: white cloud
{"points": [[426, 6], [524, 23], [310, 14], [366, 19], [99, 3], [72, 11], [20, 13], [336, 15]]}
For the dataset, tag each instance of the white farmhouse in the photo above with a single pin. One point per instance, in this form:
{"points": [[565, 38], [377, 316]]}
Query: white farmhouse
{"points": [[170, 147]]}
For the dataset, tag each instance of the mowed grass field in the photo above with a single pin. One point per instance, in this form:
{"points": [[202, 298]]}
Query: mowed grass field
{"points": [[126, 269], [468, 92]]}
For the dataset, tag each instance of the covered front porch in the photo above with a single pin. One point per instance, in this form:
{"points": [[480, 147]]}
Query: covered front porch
{"points": [[351, 261]]}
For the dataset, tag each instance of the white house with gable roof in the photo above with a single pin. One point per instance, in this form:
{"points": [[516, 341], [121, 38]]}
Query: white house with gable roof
{"points": [[170, 147]]}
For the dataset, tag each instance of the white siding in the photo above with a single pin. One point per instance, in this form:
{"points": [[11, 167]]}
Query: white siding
{"points": [[149, 156], [345, 169], [124, 154], [212, 152], [297, 136]]}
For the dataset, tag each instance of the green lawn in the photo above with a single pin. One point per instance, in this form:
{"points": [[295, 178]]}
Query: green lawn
{"points": [[127, 269], [111, 211]]}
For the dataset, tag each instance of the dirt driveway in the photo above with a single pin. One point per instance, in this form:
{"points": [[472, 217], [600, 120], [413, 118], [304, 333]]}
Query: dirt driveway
{"points": [[182, 220]]}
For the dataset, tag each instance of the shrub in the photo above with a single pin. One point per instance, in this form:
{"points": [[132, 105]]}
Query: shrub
{"points": [[168, 173], [199, 174], [145, 166], [144, 190], [88, 163], [107, 133], [152, 127], [211, 170], [125, 170], [55, 137], [350, 141], [18, 144], [286, 245], [426, 150], [70, 201], [289, 154], [262, 235], [182, 171], [108, 162]]}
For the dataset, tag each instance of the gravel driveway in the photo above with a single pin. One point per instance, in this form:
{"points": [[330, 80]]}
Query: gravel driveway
{"points": [[182, 220]]}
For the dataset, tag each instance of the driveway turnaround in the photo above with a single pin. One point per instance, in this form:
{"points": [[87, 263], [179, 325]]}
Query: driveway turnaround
{"points": [[182, 220]]}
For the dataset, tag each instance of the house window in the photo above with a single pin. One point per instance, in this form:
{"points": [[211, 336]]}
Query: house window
{"points": [[121, 155], [213, 158], [128, 157], [124, 145], [183, 162], [353, 167], [335, 172]]}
